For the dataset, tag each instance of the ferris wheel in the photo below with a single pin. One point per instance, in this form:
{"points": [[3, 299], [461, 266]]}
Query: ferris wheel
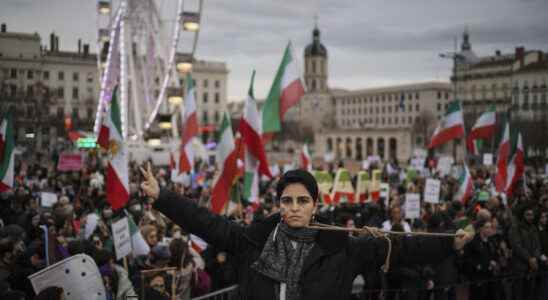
{"points": [[142, 45]]}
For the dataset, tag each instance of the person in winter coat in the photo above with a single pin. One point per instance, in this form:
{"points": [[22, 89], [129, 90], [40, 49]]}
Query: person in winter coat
{"points": [[525, 246], [480, 262], [281, 257]]}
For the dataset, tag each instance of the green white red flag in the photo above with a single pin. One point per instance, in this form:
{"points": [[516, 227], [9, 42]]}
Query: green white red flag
{"points": [[502, 161], [255, 162], [466, 185], [286, 91], [112, 139], [516, 168], [484, 128], [227, 155], [7, 153], [451, 126], [190, 129], [305, 159]]}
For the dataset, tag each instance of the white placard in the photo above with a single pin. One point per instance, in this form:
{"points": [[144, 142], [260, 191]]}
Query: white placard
{"points": [[488, 159], [275, 170], [385, 192], [47, 199], [418, 163], [78, 275], [432, 191], [373, 158], [365, 165], [329, 157], [444, 165], [91, 223], [121, 237], [420, 153], [412, 206]]}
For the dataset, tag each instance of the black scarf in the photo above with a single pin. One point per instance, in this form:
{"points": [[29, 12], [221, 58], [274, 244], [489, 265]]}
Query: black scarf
{"points": [[283, 262]]}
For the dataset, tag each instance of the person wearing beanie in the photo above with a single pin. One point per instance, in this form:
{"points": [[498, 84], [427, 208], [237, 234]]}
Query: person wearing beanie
{"points": [[281, 257]]}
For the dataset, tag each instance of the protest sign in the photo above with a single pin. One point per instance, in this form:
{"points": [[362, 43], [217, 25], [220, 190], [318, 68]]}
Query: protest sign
{"points": [[488, 159], [78, 275], [69, 162], [343, 191], [432, 191], [412, 206], [444, 165], [325, 183], [48, 199], [362, 187], [121, 237]]}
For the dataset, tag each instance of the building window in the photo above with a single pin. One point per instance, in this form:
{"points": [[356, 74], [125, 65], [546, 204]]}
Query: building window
{"points": [[89, 112], [446, 95], [206, 83], [90, 77], [439, 106], [417, 96], [30, 74], [217, 84], [75, 113], [313, 66], [313, 84], [74, 93], [13, 73], [417, 107], [60, 92], [216, 116], [410, 119], [60, 112], [205, 97], [396, 120], [204, 118], [46, 75], [217, 98], [30, 91], [75, 76], [410, 107], [439, 95], [13, 90], [61, 75]]}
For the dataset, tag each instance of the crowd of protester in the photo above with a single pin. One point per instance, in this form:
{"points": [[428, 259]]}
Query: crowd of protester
{"points": [[507, 259]]}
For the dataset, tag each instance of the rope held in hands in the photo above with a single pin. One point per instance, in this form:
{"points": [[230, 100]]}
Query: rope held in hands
{"points": [[380, 233]]}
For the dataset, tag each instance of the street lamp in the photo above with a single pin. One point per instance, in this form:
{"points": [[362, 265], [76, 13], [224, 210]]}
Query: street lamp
{"points": [[103, 7], [191, 21], [164, 121]]}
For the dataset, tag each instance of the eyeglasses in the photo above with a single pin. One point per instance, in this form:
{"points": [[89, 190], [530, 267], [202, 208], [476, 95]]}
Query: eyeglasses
{"points": [[300, 200]]}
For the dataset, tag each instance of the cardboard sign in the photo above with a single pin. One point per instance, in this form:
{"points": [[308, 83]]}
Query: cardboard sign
{"points": [[488, 159], [412, 206], [362, 187], [444, 165], [343, 191], [432, 191], [70, 162], [48, 199], [78, 275], [121, 237]]}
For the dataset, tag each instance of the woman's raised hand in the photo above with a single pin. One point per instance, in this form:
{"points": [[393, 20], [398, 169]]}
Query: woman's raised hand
{"points": [[150, 185]]}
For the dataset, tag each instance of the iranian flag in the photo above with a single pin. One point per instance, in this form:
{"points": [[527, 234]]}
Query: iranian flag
{"points": [[483, 129], [112, 139], [138, 244], [305, 159], [255, 162], [227, 154], [190, 129], [516, 168], [465, 186], [7, 153], [502, 160], [286, 91], [451, 126]]}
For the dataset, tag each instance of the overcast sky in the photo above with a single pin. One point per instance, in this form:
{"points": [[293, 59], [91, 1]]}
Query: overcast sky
{"points": [[370, 42]]}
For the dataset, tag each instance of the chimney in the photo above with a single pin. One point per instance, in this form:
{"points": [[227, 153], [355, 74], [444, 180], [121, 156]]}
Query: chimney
{"points": [[497, 52], [520, 55], [86, 50], [79, 46], [4, 28], [57, 43], [52, 42]]}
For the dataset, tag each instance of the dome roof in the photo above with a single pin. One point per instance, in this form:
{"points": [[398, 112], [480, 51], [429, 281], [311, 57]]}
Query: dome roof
{"points": [[315, 48]]}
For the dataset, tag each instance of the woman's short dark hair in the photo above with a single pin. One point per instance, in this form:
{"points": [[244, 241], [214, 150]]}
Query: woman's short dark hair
{"points": [[298, 176]]}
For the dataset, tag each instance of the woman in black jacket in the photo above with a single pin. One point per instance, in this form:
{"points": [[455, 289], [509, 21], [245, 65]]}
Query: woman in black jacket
{"points": [[280, 257]]}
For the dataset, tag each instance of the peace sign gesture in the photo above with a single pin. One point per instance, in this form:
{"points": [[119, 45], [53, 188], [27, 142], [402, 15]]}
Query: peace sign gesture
{"points": [[150, 185]]}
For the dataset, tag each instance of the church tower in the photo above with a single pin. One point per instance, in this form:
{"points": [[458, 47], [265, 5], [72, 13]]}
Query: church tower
{"points": [[315, 64]]}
